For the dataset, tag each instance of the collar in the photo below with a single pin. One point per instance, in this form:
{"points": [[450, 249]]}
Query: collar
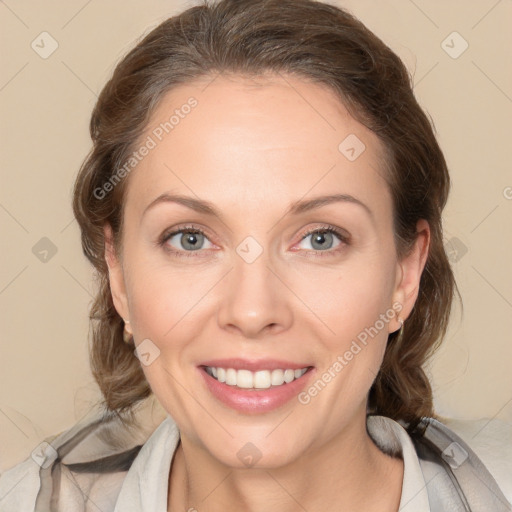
{"points": [[146, 483]]}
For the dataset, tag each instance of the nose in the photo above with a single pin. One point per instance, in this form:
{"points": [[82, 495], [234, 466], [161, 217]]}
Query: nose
{"points": [[254, 302]]}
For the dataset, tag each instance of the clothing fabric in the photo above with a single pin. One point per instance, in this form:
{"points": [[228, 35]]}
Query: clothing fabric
{"points": [[102, 464]]}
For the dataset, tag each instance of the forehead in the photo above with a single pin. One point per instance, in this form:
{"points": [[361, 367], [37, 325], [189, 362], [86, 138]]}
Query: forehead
{"points": [[237, 140]]}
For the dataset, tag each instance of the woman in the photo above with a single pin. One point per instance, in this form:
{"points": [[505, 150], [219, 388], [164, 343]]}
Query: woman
{"points": [[263, 205]]}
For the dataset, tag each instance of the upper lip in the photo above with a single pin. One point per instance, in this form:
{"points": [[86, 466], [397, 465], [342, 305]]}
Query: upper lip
{"points": [[254, 364]]}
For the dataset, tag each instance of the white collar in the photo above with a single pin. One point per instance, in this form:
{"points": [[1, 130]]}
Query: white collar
{"points": [[146, 483]]}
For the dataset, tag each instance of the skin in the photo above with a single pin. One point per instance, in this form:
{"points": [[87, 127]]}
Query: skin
{"points": [[252, 148]]}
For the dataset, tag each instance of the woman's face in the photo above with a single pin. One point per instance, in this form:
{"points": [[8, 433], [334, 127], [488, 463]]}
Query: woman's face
{"points": [[288, 263]]}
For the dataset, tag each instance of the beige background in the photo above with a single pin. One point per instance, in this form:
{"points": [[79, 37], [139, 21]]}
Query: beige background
{"points": [[45, 106]]}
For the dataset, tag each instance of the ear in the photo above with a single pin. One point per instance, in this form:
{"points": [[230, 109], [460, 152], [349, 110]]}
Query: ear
{"points": [[410, 269], [115, 275]]}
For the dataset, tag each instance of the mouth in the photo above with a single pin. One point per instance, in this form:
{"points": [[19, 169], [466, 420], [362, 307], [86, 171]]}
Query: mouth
{"points": [[253, 387]]}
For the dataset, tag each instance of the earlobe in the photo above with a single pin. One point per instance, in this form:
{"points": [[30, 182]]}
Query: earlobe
{"points": [[115, 274]]}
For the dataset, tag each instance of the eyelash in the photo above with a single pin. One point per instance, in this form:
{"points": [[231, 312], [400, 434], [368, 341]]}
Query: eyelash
{"points": [[327, 228], [184, 229]]}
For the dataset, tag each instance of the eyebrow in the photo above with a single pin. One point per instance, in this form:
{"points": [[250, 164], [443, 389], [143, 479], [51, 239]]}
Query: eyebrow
{"points": [[301, 206], [318, 202]]}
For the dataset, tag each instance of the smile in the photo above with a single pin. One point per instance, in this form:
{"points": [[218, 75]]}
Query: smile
{"points": [[261, 379], [254, 387]]}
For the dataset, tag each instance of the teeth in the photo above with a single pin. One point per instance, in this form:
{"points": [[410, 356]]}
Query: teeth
{"points": [[231, 377], [243, 379], [261, 379], [289, 375]]}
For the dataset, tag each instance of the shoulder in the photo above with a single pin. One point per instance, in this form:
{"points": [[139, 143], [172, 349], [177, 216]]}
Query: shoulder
{"points": [[87, 462], [460, 463], [474, 471], [491, 440], [19, 486]]}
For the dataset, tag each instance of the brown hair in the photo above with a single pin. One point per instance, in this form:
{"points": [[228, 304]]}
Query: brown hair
{"points": [[316, 42]]}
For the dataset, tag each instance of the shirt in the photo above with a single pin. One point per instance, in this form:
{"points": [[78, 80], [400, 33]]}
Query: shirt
{"points": [[102, 465], [146, 484]]}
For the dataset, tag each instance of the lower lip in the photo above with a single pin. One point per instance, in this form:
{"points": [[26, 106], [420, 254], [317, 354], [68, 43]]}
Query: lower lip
{"points": [[255, 400]]}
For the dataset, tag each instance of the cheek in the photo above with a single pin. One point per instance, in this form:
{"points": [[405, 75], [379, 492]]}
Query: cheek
{"points": [[163, 296], [354, 304], [358, 314], [349, 298], [167, 306]]}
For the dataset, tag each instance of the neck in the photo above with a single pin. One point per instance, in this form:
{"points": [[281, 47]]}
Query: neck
{"points": [[347, 472]]}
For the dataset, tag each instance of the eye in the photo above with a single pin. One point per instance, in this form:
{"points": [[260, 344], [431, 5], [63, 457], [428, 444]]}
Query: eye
{"points": [[323, 239], [186, 240]]}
